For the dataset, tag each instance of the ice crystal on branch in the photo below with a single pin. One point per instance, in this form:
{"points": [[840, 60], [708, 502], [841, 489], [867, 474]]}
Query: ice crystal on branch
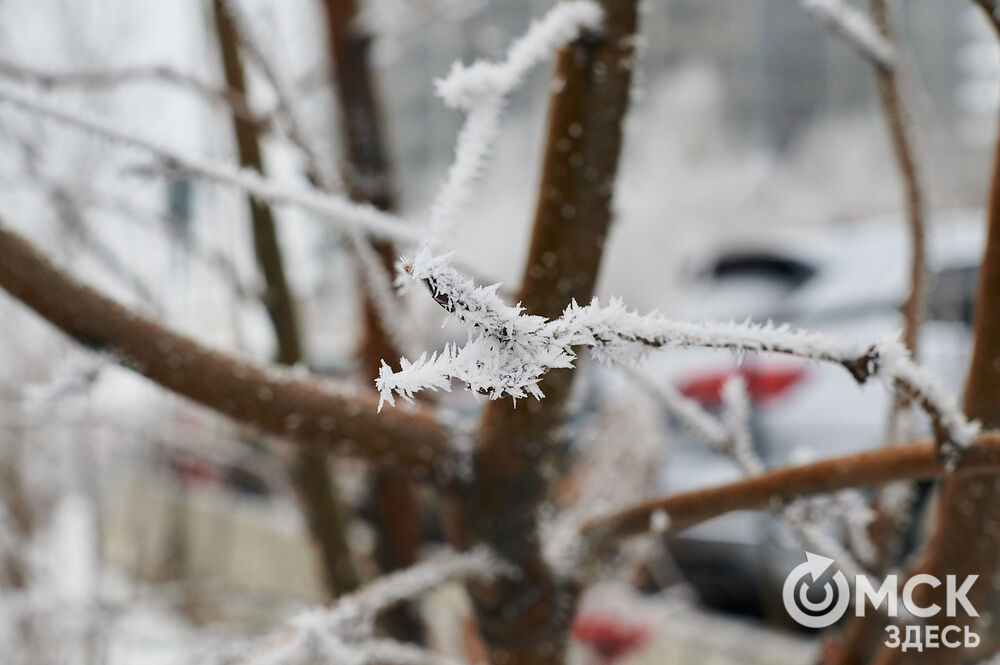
{"points": [[480, 89], [331, 206], [514, 350], [509, 351]]}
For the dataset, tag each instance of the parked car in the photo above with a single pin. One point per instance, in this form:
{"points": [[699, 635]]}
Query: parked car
{"points": [[849, 280]]}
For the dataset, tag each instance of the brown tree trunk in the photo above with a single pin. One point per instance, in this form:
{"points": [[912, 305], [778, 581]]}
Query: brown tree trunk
{"points": [[368, 175], [525, 620], [312, 477]]}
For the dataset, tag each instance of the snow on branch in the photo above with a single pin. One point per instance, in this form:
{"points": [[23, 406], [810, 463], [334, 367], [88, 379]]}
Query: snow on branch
{"points": [[729, 434], [345, 632], [513, 351], [480, 89], [684, 410], [107, 78], [336, 208], [378, 281], [491, 363], [855, 28], [736, 419], [507, 358], [610, 477], [388, 590], [287, 112]]}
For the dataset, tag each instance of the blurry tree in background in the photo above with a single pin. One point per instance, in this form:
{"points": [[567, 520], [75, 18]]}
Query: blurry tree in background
{"points": [[533, 509]]}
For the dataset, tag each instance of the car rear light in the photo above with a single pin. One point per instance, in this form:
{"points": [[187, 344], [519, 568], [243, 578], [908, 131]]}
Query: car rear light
{"points": [[610, 637], [706, 387], [770, 383], [764, 383]]}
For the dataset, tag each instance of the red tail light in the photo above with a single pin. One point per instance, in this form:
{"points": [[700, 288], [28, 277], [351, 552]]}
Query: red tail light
{"points": [[706, 388], [609, 637], [764, 383]]}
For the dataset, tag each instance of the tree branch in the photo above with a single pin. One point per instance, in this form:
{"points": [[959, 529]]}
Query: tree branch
{"points": [[899, 134], [324, 204], [525, 620], [912, 461], [106, 78], [966, 535], [852, 26], [368, 174], [314, 481], [863, 634], [275, 400]]}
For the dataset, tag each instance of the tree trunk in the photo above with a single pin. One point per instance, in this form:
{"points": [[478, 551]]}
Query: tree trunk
{"points": [[525, 620]]}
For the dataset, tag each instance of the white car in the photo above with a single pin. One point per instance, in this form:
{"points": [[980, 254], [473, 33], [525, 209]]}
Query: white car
{"points": [[848, 280]]}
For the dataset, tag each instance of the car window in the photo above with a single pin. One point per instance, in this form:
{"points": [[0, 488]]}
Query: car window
{"points": [[791, 272], [950, 294]]}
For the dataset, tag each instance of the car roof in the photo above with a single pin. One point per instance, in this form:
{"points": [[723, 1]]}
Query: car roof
{"points": [[865, 261]]}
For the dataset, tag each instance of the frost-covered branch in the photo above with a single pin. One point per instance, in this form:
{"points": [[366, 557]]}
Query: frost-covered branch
{"points": [[283, 402], [736, 421], [288, 111], [855, 28], [107, 78], [730, 435], [512, 351], [912, 461], [290, 120], [612, 476], [336, 208], [479, 90], [377, 279], [345, 632]]}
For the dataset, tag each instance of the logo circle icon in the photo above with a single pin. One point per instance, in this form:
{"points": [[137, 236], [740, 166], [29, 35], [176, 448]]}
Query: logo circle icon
{"points": [[811, 614]]}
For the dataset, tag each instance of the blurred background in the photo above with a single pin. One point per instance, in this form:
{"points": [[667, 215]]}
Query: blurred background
{"points": [[757, 180]]}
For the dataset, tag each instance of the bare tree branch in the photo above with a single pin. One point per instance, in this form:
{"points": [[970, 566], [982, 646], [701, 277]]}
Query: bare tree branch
{"points": [[869, 469], [107, 78], [859, 640], [855, 29], [368, 173], [275, 400], [374, 264], [288, 111], [902, 146], [314, 481], [336, 208], [966, 535]]}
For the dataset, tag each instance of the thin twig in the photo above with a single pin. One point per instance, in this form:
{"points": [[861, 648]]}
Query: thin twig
{"points": [[288, 111], [378, 280], [902, 145], [107, 78], [854, 28], [333, 207]]}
